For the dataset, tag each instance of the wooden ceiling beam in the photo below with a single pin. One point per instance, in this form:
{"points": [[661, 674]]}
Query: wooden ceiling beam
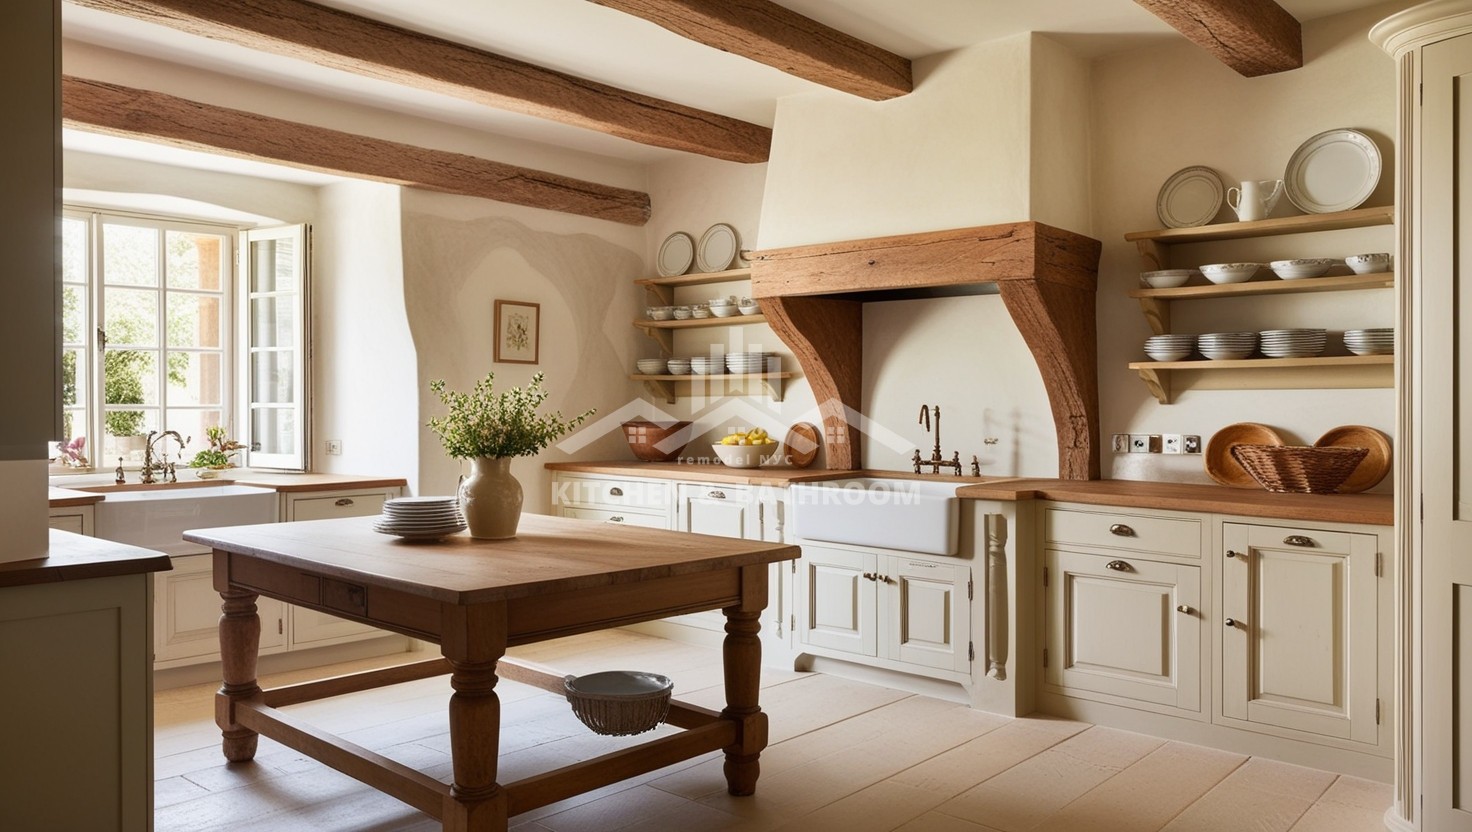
{"points": [[99, 107], [779, 37], [351, 43], [1254, 37]]}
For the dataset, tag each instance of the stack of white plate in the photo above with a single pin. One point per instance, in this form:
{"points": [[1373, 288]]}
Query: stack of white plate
{"points": [[421, 518], [1227, 346], [1370, 341], [753, 362], [1170, 347], [1292, 343], [705, 365]]}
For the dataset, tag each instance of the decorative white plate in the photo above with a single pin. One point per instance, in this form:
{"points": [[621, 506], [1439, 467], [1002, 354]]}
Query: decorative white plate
{"points": [[718, 248], [1190, 197], [675, 254], [1334, 171]]}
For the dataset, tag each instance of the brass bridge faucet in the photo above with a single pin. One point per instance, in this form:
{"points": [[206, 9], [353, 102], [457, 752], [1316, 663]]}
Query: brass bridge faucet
{"points": [[936, 461], [161, 465]]}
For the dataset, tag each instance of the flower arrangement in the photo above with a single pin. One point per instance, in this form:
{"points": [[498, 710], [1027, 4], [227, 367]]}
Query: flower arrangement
{"points": [[483, 423], [220, 453]]}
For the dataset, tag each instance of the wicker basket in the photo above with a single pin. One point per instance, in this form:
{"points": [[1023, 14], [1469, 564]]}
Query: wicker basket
{"points": [[1298, 468], [618, 703]]}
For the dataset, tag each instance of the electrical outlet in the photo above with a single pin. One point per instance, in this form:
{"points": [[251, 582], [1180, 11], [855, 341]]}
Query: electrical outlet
{"points": [[1171, 443], [1191, 444], [1154, 443], [1121, 443], [1139, 443], [334, 447]]}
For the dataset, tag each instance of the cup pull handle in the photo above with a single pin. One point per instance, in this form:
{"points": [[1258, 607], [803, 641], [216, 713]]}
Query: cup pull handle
{"points": [[1119, 566], [1121, 530], [717, 495], [615, 492], [1298, 540], [617, 518], [345, 501]]}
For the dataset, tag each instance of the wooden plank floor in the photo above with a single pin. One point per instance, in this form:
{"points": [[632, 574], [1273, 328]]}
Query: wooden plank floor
{"points": [[844, 756]]}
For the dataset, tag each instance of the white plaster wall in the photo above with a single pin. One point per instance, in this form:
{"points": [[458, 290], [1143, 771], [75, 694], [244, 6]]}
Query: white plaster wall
{"points": [[130, 179], [1160, 109], [460, 255], [364, 370], [1060, 134]]}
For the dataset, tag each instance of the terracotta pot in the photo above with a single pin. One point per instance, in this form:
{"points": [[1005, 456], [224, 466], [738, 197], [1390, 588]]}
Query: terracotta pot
{"points": [[490, 499]]}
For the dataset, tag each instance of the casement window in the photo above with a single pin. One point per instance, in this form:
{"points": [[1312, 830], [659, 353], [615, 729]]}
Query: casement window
{"points": [[156, 335]]}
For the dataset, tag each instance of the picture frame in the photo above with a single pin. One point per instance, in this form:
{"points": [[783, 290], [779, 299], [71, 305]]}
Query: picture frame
{"points": [[518, 332]]}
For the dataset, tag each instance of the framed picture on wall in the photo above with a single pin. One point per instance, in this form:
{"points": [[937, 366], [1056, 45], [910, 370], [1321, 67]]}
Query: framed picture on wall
{"points": [[518, 331]]}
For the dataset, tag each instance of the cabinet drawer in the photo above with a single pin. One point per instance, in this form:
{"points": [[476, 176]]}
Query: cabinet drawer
{"points": [[648, 519], [1116, 530], [337, 505], [576, 491], [68, 523]]}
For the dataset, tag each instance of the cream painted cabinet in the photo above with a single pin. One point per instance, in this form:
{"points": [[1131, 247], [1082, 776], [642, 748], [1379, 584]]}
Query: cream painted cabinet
{"points": [[721, 510], [186, 615], [1123, 626], [913, 613], [633, 502], [1299, 611], [74, 519]]}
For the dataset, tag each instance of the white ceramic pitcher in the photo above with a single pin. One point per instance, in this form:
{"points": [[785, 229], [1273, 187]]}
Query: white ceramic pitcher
{"points": [[1255, 200]]}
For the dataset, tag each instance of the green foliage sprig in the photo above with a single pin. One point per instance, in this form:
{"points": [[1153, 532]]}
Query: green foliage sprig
{"points": [[485, 423]]}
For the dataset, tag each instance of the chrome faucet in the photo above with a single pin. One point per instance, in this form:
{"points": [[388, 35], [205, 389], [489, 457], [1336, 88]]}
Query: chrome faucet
{"points": [[936, 461], [161, 465]]}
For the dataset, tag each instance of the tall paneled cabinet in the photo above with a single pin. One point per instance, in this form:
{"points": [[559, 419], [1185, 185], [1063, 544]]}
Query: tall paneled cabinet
{"points": [[1432, 45]]}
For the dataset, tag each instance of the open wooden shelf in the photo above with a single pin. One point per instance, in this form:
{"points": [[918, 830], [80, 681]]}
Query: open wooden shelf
{"points": [[1320, 372], [663, 331], [664, 287], [1155, 303], [663, 385], [1339, 220]]}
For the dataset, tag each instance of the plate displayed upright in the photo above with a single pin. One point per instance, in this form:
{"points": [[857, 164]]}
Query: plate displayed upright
{"points": [[1190, 197], [675, 254], [718, 247], [1334, 171], [1376, 464], [1221, 466]]}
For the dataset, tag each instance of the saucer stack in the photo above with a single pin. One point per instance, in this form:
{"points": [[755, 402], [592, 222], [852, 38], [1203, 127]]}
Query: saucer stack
{"points": [[1292, 343], [1227, 346], [421, 518], [753, 362], [1370, 341], [1170, 347]]}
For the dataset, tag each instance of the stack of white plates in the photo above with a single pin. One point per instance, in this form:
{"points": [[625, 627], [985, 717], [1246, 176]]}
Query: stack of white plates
{"points": [[1292, 343], [705, 365], [1370, 341], [423, 518], [753, 362], [1227, 346], [1170, 347]]}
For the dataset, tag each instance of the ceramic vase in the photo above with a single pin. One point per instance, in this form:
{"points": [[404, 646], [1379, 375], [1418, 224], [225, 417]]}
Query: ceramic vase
{"points": [[490, 499]]}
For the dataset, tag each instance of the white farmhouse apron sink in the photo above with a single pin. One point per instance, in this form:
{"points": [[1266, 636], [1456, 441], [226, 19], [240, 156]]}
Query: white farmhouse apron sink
{"points": [[907, 515], [156, 519]]}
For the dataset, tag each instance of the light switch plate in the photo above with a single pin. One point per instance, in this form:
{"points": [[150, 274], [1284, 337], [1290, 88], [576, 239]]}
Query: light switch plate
{"points": [[334, 447], [1191, 444], [1171, 443], [1139, 443], [1121, 443]]}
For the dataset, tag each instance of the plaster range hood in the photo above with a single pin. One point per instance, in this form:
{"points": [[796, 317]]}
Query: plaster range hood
{"points": [[813, 299]]}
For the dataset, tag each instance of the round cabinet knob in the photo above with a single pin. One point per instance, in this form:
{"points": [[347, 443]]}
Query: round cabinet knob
{"points": [[1121, 530], [1231, 622], [1231, 554], [1185, 608]]}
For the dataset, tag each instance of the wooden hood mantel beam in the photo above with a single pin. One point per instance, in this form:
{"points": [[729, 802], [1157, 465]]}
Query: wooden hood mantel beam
{"points": [[1254, 37], [1047, 279], [98, 107], [363, 46], [783, 39]]}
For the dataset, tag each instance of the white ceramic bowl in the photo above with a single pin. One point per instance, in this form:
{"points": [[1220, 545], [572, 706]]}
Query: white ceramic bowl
{"points": [[727, 311], [651, 366], [1168, 355], [1299, 269], [678, 366], [749, 310], [1368, 263], [661, 313], [744, 456], [683, 313], [1230, 272], [1166, 278], [726, 301], [700, 312]]}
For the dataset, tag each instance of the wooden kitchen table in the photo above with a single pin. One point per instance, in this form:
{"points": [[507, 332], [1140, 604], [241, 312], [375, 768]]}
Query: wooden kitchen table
{"points": [[475, 598]]}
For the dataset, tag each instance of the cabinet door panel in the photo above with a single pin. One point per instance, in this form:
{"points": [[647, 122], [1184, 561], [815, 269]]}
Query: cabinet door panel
{"points": [[1302, 651], [187, 614], [840, 609], [719, 511], [1120, 631], [929, 615]]}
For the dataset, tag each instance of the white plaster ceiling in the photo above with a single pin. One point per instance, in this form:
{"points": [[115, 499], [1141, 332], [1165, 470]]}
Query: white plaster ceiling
{"points": [[588, 40]]}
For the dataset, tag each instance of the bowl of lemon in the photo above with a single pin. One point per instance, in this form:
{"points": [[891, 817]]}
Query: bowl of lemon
{"points": [[745, 449]]}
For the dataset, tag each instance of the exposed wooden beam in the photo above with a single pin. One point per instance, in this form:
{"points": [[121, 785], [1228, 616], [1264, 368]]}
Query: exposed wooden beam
{"points": [[153, 116], [1254, 37], [779, 37], [363, 46]]}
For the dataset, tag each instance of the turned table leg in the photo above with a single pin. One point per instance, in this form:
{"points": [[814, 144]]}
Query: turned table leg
{"points": [[240, 640], [476, 801], [742, 660]]}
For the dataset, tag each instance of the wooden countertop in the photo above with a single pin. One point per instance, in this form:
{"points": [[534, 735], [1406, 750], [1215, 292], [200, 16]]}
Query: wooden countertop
{"points": [[1371, 509], [74, 557], [777, 475], [548, 555], [66, 497]]}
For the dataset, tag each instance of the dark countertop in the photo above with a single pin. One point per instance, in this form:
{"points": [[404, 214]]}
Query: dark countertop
{"points": [[75, 557]]}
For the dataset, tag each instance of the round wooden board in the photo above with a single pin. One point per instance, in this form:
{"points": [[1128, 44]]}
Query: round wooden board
{"points": [[1376, 464], [801, 435], [1220, 465]]}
